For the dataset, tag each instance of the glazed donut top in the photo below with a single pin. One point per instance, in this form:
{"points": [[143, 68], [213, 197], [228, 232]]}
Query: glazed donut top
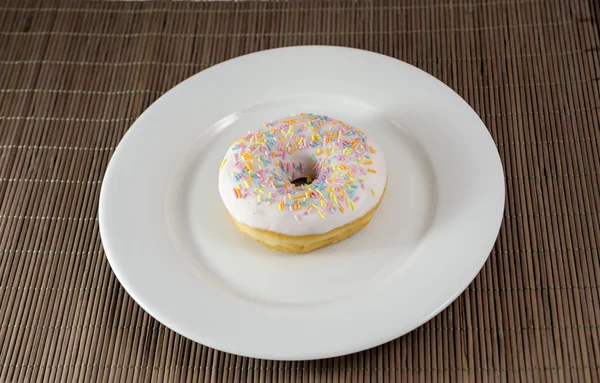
{"points": [[347, 171]]}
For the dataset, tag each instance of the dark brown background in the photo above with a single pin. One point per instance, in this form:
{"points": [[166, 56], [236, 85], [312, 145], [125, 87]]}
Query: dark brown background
{"points": [[75, 75]]}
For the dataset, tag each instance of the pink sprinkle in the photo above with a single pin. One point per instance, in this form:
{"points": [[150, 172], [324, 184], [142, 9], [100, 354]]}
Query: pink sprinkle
{"points": [[284, 200], [291, 208], [331, 210], [236, 157], [356, 199], [354, 168], [296, 218], [362, 185], [305, 212], [329, 205], [283, 156], [363, 171]]}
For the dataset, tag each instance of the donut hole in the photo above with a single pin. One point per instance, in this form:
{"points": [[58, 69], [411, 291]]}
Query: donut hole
{"points": [[303, 181]]}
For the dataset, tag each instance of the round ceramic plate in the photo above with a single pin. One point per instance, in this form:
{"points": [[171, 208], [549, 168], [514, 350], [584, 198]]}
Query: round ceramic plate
{"points": [[175, 249]]}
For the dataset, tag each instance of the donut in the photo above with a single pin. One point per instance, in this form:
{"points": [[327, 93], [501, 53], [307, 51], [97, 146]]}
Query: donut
{"points": [[302, 182]]}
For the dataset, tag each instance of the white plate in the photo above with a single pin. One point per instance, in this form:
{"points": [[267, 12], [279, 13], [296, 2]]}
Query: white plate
{"points": [[173, 246]]}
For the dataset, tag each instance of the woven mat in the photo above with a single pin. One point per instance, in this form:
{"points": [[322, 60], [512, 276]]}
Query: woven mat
{"points": [[75, 75]]}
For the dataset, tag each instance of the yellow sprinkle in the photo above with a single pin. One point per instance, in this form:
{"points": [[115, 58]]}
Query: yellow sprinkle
{"points": [[318, 151], [258, 198], [372, 171], [268, 202], [323, 203], [223, 163], [289, 196], [372, 150], [373, 191], [232, 173], [281, 205], [327, 151], [352, 205], [321, 214], [247, 184], [341, 208], [314, 206], [270, 195]]}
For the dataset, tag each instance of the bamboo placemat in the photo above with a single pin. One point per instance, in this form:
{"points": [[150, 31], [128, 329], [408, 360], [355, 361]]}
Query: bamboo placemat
{"points": [[75, 75]]}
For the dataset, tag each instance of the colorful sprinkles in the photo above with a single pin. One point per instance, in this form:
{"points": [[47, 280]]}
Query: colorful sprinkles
{"points": [[333, 156]]}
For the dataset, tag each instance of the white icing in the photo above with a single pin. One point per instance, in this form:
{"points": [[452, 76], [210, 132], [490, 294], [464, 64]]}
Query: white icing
{"points": [[311, 131]]}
